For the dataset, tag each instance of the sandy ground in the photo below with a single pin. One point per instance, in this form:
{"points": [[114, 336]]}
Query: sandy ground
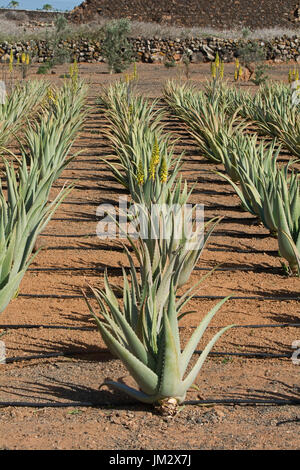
{"points": [[56, 360]]}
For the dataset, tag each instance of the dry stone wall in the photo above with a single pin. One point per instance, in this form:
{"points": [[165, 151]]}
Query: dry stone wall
{"points": [[158, 50]]}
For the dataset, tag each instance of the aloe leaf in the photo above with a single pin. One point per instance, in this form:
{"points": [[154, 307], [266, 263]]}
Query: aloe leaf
{"points": [[173, 320], [197, 335], [143, 375], [109, 292], [136, 394], [237, 190], [188, 382], [170, 374], [296, 260], [133, 342], [188, 295]]}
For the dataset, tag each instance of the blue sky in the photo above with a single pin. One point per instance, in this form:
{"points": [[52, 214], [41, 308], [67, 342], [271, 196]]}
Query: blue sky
{"points": [[34, 4]]}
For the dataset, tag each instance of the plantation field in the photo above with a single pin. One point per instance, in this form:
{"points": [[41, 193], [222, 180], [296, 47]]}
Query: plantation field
{"points": [[56, 360]]}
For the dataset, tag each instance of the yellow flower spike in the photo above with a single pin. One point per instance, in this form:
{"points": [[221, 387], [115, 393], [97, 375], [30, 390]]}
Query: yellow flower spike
{"points": [[221, 70], [217, 61], [18, 60], [163, 171], [75, 67], [152, 168], [290, 77], [51, 96], [27, 59], [11, 60], [236, 75], [240, 72], [49, 93], [297, 75], [130, 110], [154, 159], [155, 153], [213, 70], [237, 63], [140, 173], [73, 72], [134, 71], [23, 57]]}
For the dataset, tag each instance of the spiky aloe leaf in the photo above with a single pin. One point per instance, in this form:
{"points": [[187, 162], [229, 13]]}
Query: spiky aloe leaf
{"points": [[133, 342], [296, 261], [244, 201], [170, 378], [132, 392], [8, 291], [196, 337], [285, 248], [143, 375], [173, 320], [188, 382]]}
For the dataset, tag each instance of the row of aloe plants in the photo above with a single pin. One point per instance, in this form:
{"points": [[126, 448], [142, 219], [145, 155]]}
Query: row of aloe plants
{"points": [[266, 190], [142, 328], [25, 206], [20, 106], [274, 110]]}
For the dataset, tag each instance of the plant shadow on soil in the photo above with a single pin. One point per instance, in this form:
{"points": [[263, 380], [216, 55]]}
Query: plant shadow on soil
{"points": [[289, 392], [65, 391]]}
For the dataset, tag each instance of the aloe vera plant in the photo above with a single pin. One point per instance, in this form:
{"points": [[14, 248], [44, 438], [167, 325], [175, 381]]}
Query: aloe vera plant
{"points": [[147, 341], [287, 216], [208, 117], [149, 170], [255, 169], [49, 140], [147, 165], [233, 150], [24, 101], [274, 113], [171, 240], [24, 206], [23, 215], [181, 98], [293, 254], [142, 330], [212, 131]]}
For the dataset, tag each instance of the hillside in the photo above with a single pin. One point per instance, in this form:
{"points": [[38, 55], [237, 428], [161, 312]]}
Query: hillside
{"points": [[222, 14]]}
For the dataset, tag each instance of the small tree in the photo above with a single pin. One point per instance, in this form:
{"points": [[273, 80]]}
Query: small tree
{"points": [[116, 48], [47, 7], [13, 4], [60, 24], [251, 55], [61, 55]]}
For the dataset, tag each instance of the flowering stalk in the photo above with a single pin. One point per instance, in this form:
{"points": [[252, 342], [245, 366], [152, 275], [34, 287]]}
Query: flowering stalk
{"points": [[163, 171], [213, 70], [154, 159], [140, 173]]}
